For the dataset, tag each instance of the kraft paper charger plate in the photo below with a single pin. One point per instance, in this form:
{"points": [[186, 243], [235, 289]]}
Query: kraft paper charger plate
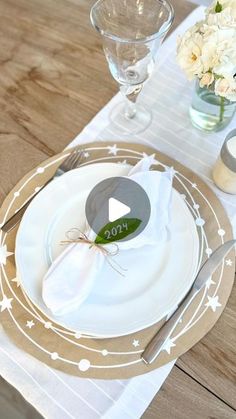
{"points": [[116, 358]]}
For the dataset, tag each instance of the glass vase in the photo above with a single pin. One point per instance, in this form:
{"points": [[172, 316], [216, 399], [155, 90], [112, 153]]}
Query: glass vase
{"points": [[210, 112]]}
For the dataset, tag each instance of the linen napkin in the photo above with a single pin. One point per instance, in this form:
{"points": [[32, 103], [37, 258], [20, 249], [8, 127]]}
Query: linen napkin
{"points": [[71, 276]]}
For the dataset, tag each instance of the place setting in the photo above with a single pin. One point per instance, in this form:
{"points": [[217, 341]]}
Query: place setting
{"points": [[116, 259], [69, 298]]}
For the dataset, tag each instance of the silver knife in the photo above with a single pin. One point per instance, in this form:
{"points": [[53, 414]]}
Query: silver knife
{"points": [[154, 347]]}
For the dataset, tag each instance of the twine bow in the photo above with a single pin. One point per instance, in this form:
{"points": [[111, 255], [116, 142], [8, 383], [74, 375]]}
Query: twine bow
{"points": [[80, 237]]}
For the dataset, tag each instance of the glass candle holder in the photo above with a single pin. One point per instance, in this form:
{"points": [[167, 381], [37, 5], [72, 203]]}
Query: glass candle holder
{"points": [[224, 171]]}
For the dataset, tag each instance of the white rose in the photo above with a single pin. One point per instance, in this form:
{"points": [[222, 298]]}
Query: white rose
{"points": [[182, 40], [210, 57], [226, 52], [219, 47], [209, 30], [224, 4], [226, 88], [226, 69], [215, 42], [218, 35], [231, 93], [222, 20], [221, 87], [206, 80], [189, 54]]}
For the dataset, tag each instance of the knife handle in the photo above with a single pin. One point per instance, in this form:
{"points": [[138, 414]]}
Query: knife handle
{"points": [[154, 347], [15, 218]]}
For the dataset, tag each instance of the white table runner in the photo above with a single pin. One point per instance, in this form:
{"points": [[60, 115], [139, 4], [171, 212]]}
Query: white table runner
{"points": [[59, 396]]}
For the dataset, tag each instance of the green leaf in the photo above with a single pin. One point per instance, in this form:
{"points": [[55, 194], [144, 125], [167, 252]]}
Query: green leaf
{"points": [[117, 230], [218, 7]]}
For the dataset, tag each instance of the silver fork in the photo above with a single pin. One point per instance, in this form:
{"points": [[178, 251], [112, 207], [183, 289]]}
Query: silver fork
{"points": [[70, 163]]}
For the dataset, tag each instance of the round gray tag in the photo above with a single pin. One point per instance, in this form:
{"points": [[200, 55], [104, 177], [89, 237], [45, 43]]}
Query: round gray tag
{"points": [[117, 209]]}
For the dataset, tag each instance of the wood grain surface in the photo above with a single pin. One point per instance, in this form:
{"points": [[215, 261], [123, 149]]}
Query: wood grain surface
{"points": [[183, 398], [53, 80]]}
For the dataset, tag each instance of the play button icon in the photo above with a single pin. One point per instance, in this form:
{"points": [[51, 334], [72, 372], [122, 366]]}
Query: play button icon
{"points": [[118, 205], [117, 209]]}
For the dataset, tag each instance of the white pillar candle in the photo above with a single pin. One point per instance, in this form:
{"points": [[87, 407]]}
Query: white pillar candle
{"points": [[224, 171]]}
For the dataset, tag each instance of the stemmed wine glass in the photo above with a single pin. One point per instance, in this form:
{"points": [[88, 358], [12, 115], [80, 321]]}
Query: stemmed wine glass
{"points": [[132, 31]]}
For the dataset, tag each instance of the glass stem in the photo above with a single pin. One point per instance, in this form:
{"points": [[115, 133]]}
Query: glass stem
{"points": [[130, 94], [222, 108]]}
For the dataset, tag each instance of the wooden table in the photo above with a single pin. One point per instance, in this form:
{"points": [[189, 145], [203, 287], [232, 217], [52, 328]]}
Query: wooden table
{"points": [[53, 80]]}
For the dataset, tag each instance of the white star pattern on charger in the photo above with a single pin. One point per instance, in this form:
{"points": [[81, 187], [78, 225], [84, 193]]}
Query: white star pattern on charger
{"points": [[152, 158], [30, 324], [135, 343], [17, 281], [6, 303], [168, 345], [113, 149], [228, 262], [4, 254], [213, 302], [171, 171], [194, 185], [85, 154], [209, 283]]}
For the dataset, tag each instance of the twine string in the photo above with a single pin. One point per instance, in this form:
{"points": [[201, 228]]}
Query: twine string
{"points": [[77, 236]]}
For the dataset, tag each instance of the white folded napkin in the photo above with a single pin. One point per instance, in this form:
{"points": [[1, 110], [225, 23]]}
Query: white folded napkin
{"points": [[71, 276]]}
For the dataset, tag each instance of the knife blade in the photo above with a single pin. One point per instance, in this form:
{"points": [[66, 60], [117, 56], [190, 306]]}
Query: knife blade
{"points": [[155, 346]]}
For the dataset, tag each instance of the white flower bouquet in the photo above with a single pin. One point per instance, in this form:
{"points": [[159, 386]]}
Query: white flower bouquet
{"points": [[208, 49]]}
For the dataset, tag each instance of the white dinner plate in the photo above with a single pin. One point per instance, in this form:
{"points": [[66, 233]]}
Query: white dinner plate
{"points": [[157, 277]]}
